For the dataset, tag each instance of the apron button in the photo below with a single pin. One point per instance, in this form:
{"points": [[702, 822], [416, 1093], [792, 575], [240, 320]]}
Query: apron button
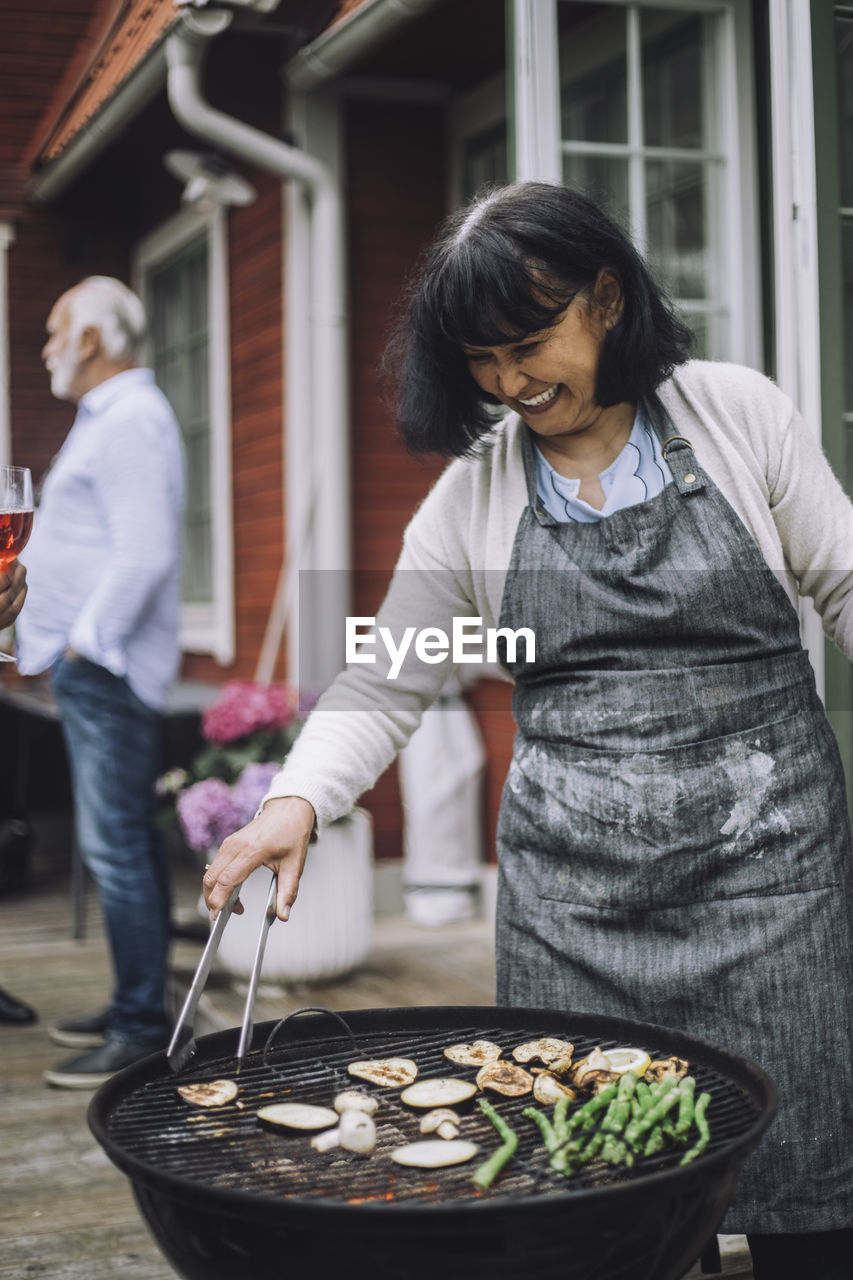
{"points": [[689, 478]]}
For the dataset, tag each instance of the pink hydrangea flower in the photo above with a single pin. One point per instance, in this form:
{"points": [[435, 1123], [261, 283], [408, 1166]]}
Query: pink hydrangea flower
{"points": [[208, 812], [243, 707]]}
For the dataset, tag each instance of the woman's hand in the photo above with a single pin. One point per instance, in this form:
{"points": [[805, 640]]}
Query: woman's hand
{"points": [[13, 590], [278, 838]]}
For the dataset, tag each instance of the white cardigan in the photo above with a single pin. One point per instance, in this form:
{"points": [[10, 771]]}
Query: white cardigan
{"points": [[746, 434]]}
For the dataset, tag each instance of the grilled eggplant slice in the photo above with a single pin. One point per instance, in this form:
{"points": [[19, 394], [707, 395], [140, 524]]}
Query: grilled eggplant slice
{"points": [[503, 1077], [475, 1054], [209, 1093], [435, 1153], [296, 1117], [446, 1091], [548, 1051], [391, 1072]]}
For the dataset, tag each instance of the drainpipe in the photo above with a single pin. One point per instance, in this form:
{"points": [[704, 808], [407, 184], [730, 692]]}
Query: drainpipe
{"points": [[324, 314]]}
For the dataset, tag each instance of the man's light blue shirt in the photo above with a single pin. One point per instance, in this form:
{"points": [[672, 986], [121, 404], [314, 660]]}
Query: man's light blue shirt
{"points": [[637, 473], [104, 559]]}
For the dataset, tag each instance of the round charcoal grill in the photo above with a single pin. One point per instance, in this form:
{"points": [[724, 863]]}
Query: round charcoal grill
{"points": [[227, 1200]]}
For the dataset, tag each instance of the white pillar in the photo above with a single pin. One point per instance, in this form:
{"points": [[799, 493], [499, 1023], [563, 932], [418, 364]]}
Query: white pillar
{"points": [[535, 86]]}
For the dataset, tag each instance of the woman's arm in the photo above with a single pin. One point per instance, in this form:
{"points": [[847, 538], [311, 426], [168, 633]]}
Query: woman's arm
{"points": [[358, 726], [814, 519]]}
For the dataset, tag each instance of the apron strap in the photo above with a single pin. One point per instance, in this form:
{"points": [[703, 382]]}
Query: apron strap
{"points": [[686, 473]]}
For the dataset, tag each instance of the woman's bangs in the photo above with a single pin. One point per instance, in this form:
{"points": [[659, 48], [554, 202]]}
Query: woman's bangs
{"points": [[491, 299]]}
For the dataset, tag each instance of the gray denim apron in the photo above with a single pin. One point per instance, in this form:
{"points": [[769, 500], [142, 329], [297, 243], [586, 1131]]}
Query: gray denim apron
{"points": [[673, 836]]}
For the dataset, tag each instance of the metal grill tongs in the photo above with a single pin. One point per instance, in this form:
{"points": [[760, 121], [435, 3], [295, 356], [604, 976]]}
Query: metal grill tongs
{"points": [[182, 1046]]}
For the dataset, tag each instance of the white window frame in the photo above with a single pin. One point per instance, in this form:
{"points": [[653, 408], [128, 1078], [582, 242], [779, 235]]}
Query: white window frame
{"points": [[530, 98], [207, 628]]}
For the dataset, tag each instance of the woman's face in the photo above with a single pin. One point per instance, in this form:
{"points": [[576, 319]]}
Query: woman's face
{"points": [[549, 378]]}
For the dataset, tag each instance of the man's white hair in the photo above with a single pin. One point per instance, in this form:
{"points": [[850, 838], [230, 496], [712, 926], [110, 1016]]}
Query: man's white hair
{"points": [[107, 305]]}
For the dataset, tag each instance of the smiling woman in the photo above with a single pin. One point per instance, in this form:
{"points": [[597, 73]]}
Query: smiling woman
{"points": [[672, 840], [550, 381], [543, 277]]}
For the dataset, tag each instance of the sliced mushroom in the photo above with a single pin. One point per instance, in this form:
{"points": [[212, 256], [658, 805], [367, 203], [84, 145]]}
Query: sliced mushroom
{"points": [[209, 1093], [594, 1069], [326, 1140], [357, 1132], [446, 1091], [441, 1121], [355, 1100], [476, 1054], [503, 1077], [548, 1090], [435, 1154], [392, 1072], [296, 1117], [547, 1050], [663, 1067]]}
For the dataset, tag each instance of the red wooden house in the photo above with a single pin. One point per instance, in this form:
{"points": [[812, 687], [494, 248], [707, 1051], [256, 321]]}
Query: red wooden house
{"points": [[358, 124]]}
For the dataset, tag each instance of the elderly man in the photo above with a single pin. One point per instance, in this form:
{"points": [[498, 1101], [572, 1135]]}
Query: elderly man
{"points": [[102, 616]]}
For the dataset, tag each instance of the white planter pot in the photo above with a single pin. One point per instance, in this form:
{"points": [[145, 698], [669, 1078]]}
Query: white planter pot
{"points": [[330, 926]]}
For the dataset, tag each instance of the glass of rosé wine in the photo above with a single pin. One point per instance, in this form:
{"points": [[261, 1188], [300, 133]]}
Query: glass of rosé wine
{"points": [[16, 518]]}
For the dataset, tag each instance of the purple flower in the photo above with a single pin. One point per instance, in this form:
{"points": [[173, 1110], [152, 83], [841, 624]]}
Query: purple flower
{"points": [[251, 787], [208, 813]]}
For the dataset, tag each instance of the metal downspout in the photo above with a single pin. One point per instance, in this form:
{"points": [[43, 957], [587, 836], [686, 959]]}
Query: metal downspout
{"points": [[324, 313]]}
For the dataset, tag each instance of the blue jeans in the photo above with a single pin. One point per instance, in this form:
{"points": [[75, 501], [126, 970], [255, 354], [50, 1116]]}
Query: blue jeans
{"points": [[113, 746]]}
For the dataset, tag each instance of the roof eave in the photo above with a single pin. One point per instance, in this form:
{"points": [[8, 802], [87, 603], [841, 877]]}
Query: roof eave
{"points": [[135, 92], [339, 45]]}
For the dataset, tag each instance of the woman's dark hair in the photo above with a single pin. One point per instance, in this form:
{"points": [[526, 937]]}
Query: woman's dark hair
{"points": [[501, 268]]}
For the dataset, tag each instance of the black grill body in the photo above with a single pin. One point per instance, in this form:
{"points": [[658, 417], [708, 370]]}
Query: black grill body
{"points": [[227, 1200]]}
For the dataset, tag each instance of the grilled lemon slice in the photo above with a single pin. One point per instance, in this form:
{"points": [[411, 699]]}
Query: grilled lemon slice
{"points": [[622, 1060]]}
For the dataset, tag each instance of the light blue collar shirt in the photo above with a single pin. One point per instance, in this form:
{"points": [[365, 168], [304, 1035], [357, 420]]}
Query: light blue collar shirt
{"points": [[637, 473], [104, 559]]}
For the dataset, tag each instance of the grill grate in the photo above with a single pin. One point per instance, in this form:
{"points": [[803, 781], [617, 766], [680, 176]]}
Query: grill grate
{"points": [[226, 1148]]}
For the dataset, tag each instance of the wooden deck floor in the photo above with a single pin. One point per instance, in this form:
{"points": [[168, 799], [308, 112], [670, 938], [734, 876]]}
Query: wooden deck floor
{"points": [[65, 1212]]}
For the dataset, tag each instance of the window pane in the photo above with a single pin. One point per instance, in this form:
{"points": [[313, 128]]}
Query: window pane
{"points": [[844, 46], [603, 178], [198, 383], [673, 79], [176, 295], [485, 161], [198, 472], [197, 565], [593, 72], [676, 197]]}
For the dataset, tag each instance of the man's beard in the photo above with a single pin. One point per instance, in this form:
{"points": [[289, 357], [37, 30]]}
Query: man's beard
{"points": [[62, 370]]}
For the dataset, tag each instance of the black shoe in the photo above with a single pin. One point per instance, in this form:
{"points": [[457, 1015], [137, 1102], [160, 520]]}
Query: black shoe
{"points": [[12, 1010], [89, 1070], [85, 1032]]}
